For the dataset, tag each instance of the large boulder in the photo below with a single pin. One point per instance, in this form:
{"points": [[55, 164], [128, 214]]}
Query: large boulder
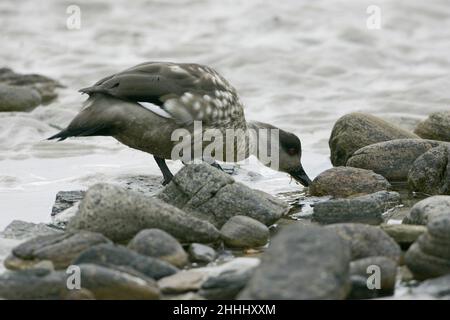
{"points": [[356, 130], [367, 209], [435, 127], [342, 182], [15, 98], [303, 262], [430, 173], [392, 159], [212, 195], [120, 214]]}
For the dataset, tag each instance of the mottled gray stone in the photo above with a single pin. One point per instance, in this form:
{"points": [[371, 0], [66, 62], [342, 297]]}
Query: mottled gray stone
{"points": [[356, 130], [342, 182], [302, 262], [430, 173], [392, 159], [201, 253], [427, 208], [21, 230], [435, 127], [113, 256], [120, 214], [18, 99], [60, 249], [403, 234], [367, 241], [159, 244], [367, 209], [244, 232], [212, 195], [112, 284]]}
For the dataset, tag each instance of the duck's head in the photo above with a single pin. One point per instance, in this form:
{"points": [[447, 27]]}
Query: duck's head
{"points": [[290, 154], [289, 151]]}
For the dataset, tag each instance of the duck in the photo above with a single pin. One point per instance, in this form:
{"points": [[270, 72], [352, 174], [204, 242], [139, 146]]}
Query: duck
{"points": [[144, 106]]}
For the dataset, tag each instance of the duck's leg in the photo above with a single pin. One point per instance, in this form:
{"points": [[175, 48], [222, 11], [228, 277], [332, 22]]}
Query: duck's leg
{"points": [[161, 162]]}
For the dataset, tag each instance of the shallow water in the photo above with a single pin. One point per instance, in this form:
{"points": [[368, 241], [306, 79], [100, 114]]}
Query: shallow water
{"points": [[297, 64]]}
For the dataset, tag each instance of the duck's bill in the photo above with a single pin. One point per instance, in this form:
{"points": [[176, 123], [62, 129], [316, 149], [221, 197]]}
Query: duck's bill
{"points": [[300, 175]]}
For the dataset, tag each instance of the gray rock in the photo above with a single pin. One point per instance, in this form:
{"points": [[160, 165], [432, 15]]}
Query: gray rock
{"points": [[430, 173], [214, 196], [367, 241], [45, 86], [356, 130], [367, 209], [183, 281], [159, 244], [112, 284], [303, 262], [120, 214], [33, 284], [403, 234], [424, 266], [66, 199], [112, 256], [226, 285], [437, 288], [18, 99], [388, 275], [6, 246], [342, 182], [435, 127], [201, 253], [244, 232], [21, 230], [60, 249], [392, 159], [425, 209]]}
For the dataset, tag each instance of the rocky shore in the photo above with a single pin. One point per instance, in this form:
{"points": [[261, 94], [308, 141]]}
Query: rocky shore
{"points": [[381, 221]]}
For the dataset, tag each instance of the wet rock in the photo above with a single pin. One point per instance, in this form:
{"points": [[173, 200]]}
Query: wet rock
{"points": [[367, 241], [80, 294], [367, 209], [430, 173], [302, 262], [21, 230], [112, 284], [428, 208], [33, 284], [113, 256], [44, 86], [244, 232], [60, 249], [18, 99], [159, 244], [66, 199], [356, 130], [6, 246], [429, 256], [120, 214], [403, 234], [364, 268], [342, 182], [392, 159], [212, 195], [201, 253], [228, 283], [438, 288], [435, 127]]}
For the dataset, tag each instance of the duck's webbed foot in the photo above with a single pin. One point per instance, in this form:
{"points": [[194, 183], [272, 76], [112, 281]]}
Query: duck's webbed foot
{"points": [[167, 175]]}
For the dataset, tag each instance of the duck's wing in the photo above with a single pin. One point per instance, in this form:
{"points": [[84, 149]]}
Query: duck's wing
{"points": [[187, 92]]}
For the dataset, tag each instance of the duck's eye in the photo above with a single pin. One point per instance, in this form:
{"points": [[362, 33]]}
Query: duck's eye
{"points": [[292, 151]]}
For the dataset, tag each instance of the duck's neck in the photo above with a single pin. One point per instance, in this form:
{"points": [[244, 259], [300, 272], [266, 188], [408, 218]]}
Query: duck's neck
{"points": [[261, 135]]}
